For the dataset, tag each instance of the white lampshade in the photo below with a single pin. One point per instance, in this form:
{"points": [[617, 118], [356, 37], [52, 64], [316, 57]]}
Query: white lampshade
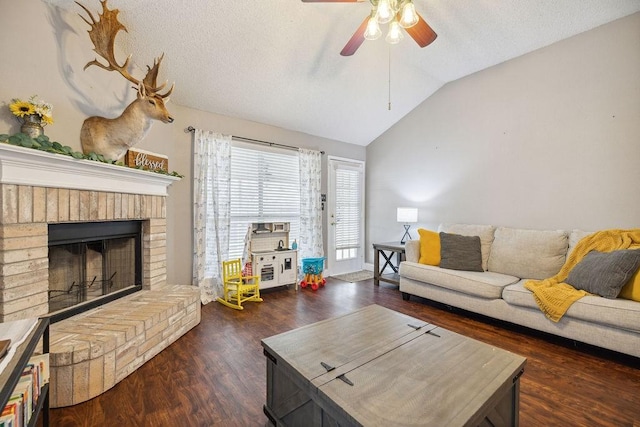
{"points": [[407, 215]]}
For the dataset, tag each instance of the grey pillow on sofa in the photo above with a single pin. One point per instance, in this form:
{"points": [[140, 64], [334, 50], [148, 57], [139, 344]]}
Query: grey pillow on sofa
{"points": [[460, 252], [485, 232], [605, 273]]}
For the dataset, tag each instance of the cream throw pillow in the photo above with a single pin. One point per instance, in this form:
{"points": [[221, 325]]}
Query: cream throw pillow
{"points": [[528, 254]]}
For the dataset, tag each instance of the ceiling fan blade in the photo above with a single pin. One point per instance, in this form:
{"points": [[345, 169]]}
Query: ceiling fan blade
{"points": [[422, 33], [356, 39]]}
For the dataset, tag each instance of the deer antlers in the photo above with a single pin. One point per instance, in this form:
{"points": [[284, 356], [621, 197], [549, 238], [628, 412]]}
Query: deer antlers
{"points": [[103, 35]]}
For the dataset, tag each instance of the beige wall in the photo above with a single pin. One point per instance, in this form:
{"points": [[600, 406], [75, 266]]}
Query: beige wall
{"points": [[549, 140], [43, 52]]}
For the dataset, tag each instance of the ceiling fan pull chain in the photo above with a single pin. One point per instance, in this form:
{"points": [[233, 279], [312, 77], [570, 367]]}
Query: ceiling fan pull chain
{"points": [[389, 77]]}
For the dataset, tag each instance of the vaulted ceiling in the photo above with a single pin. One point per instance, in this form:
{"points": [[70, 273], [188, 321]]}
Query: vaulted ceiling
{"points": [[277, 61]]}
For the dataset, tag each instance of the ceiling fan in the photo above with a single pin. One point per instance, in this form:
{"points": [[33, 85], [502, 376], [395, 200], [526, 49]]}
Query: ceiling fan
{"points": [[398, 13]]}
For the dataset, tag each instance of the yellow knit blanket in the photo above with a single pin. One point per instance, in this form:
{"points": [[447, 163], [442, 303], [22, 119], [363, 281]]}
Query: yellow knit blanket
{"points": [[553, 296]]}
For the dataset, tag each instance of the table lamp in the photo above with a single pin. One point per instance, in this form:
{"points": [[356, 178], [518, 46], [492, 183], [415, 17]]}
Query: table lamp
{"points": [[406, 216]]}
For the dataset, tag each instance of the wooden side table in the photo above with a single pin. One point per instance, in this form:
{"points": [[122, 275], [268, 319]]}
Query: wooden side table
{"points": [[387, 250]]}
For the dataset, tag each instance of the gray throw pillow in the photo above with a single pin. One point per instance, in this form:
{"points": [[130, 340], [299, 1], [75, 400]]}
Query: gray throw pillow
{"points": [[460, 252], [605, 273]]}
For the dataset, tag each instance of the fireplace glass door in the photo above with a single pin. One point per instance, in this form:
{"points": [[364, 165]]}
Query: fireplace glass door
{"points": [[80, 272], [89, 262]]}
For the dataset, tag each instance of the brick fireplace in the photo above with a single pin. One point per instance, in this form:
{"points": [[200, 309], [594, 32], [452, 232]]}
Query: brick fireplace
{"points": [[28, 209], [92, 351]]}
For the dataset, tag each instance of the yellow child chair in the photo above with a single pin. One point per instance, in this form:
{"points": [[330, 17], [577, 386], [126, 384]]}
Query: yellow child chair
{"points": [[238, 288]]}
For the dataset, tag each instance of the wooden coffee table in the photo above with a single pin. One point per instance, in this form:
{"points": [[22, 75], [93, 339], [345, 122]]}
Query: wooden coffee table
{"points": [[377, 367]]}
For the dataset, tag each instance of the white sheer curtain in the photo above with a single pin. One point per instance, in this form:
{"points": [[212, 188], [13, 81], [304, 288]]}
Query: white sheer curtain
{"points": [[310, 204], [211, 211]]}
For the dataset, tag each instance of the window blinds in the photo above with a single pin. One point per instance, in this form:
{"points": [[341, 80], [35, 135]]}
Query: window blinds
{"points": [[265, 187], [348, 199]]}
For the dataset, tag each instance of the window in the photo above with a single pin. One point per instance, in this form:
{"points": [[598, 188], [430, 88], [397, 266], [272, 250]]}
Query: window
{"points": [[265, 187]]}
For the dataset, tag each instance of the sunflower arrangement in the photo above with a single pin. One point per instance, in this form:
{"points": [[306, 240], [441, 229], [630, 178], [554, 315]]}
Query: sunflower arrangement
{"points": [[32, 107]]}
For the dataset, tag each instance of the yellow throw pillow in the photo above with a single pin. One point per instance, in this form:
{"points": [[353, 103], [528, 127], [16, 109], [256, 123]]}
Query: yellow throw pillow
{"points": [[629, 291], [429, 247]]}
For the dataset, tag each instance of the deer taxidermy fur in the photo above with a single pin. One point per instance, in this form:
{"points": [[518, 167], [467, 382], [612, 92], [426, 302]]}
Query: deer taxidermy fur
{"points": [[113, 137]]}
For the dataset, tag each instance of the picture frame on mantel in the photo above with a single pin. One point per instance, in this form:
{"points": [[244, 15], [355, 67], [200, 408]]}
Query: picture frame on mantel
{"points": [[146, 160]]}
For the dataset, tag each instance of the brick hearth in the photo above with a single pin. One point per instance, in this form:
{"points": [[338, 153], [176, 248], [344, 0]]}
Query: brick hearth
{"points": [[92, 351]]}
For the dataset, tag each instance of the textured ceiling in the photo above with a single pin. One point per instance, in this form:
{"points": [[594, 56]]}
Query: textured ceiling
{"points": [[277, 61]]}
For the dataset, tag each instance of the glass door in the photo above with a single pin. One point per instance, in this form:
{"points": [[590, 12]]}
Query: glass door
{"points": [[346, 215]]}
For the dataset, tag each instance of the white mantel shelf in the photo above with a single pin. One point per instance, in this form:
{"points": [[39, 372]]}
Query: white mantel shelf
{"points": [[27, 166]]}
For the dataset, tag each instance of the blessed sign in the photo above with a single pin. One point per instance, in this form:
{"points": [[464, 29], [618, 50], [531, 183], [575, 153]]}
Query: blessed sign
{"points": [[137, 158]]}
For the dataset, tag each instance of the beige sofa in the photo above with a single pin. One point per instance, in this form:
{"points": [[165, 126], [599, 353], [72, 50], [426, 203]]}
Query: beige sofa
{"points": [[510, 257]]}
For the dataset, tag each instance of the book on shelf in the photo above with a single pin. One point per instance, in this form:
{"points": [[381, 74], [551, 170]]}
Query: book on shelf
{"points": [[24, 399], [42, 360], [22, 394], [14, 409], [9, 415]]}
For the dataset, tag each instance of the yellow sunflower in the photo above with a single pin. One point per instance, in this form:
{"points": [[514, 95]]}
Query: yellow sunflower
{"points": [[47, 119], [21, 108]]}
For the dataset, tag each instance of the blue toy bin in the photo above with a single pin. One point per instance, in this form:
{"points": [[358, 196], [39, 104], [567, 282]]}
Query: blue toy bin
{"points": [[312, 265]]}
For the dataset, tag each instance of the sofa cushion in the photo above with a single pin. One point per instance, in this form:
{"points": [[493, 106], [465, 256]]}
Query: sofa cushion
{"points": [[616, 313], [412, 250], [604, 273], [482, 284], [531, 254], [575, 236], [485, 232], [429, 247], [460, 252]]}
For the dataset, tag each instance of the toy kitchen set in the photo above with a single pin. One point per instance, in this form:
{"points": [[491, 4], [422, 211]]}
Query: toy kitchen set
{"points": [[271, 256]]}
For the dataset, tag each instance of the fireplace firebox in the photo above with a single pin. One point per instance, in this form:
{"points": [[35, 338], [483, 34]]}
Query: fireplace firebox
{"points": [[92, 263]]}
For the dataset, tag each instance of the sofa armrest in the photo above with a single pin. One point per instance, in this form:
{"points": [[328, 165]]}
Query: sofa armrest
{"points": [[412, 250]]}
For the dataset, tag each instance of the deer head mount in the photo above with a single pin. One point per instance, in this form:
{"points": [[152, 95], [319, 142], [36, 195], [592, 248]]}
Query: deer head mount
{"points": [[113, 137]]}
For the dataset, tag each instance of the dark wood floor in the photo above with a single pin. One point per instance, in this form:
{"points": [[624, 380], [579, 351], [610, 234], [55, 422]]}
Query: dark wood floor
{"points": [[215, 374]]}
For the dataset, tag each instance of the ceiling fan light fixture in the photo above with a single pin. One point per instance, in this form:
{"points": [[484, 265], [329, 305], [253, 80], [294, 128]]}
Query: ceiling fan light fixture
{"points": [[394, 36], [399, 14], [409, 16], [385, 11], [373, 31]]}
